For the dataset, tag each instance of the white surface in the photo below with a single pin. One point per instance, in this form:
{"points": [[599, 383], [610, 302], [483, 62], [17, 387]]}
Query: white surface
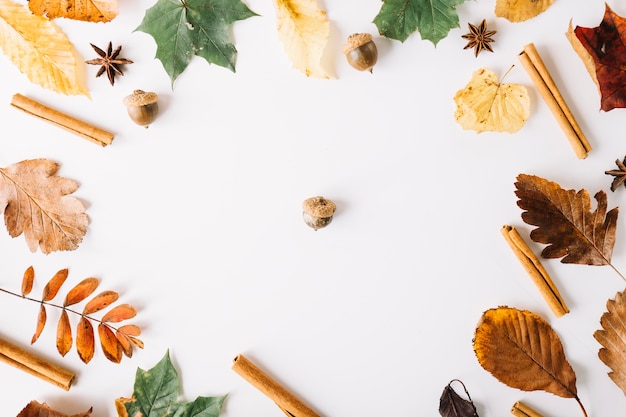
{"points": [[196, 221]]}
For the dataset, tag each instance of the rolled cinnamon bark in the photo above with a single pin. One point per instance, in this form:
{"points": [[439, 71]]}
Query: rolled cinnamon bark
{"points": [[520, 409]]}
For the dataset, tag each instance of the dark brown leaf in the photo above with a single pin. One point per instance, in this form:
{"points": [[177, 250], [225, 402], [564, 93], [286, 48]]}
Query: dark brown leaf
{"points": [[81, 291], [120, 313], [52, 287], [27, 281], [110, 345], [41, 323], [452, 404], [85, 340], [565, 221], [100, 301], [35, 409], [64, 334]]}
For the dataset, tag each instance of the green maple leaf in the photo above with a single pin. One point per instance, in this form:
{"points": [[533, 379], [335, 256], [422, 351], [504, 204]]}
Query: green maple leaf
{"points": [[156, 394], [185, 28], [397, 19]]}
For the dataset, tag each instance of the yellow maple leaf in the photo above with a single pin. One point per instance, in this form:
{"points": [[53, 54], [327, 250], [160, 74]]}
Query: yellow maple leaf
{"points": [[488, 105], [520, 10], [86, 10], [39, 49], [303, 29]]}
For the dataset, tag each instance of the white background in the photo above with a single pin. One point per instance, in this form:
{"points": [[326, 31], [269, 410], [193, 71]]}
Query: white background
{"points": [[196, 221]]}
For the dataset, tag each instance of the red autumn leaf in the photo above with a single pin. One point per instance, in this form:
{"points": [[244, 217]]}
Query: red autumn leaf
{"points": [[41, 322], [604, 52], [27, 281], [36, 409], [64, 334], [81, 291], [85, 340], [53, 286], [110, 345], [120, 313], [100, 301]]}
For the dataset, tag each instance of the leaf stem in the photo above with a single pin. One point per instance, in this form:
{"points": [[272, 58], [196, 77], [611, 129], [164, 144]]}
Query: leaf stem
{"points": [[581, 406], [617, 271]]}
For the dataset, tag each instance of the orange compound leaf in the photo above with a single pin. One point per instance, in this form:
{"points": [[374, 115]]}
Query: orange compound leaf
{"points": [[27, 281], [100, 301], [41, 323], [64, 334], [125, 336], [111, 347], [85, 340], [54, 285], [120, 313], [81, 291]]}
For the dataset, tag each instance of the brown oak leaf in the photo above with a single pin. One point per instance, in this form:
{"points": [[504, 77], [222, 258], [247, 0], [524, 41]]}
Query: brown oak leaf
{"points": [[603, 50], [36, 409], [36, 203], [612, 337], [85, 10], [565, 221]]}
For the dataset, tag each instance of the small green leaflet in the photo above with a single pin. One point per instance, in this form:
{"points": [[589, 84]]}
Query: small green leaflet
{"points": [[397, 19], [184, 28], [156, 393]]}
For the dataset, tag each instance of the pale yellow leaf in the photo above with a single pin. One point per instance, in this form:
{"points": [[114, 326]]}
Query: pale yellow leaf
{"points": [[303, 29], [86, 10], [39, 49], [487, 105], [520, 10]]}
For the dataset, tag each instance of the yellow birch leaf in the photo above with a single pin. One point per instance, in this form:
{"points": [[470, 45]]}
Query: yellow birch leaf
{"points": [[303, 29], [520, 10], [488, 105], [39, 49], [85, 10]]}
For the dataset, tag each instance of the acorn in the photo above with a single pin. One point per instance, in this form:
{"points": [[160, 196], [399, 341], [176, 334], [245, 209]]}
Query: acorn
{"points": [[142, 107], [361, 51], [318, 212]]}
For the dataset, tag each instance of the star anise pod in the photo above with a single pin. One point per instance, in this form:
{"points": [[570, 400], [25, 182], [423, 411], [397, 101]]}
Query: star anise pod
{"points": [[619, 174], [109, 62], [479, 38]]}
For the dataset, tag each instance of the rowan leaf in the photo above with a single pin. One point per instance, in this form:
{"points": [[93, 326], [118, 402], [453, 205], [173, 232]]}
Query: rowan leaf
{"points": [[110, 345], [485, 104], [36, 203], [612, 337], [54, 285], [100, 301], [520, 10], [156, 392], [119, 313], [397, 19], [85, 340], [39, 49], [28, 280], [183, 29], [36, 409], [81, 291], [126, 336], [304, 30], [64, 334], [565, 221], [603, 51], [452, 404], [42, 317], [521, 350], [85, 10]]}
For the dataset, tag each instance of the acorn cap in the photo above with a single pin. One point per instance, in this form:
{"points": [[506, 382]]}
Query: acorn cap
{"points": [[140, 98], [355, 40], [318, 207]]}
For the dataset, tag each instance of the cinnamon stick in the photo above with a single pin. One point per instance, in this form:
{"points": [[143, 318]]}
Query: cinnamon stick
{"points": [[286, 401], [535, 270], [62, 120], [538, 73], [520, 409], [34, 365]]}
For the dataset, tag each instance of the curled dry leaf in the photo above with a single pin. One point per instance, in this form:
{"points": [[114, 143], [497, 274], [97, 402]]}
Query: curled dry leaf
{"points": [[85, 10], [452, 404], [485, 104], [37, 203], [520, 10], [36, 409], [521, 350], [612, 337]]}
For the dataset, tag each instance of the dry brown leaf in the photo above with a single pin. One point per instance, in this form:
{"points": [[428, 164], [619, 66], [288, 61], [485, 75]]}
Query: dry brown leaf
{"points": [[85, 340], [27, 281], [521, 350], [37, 203], [54, 285], [64, 334], [120, 313], [86, 10], [81, 291], [42, 317], [612, 337], [110, 345], [520, 10], [36, 409], [100, 301]]}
